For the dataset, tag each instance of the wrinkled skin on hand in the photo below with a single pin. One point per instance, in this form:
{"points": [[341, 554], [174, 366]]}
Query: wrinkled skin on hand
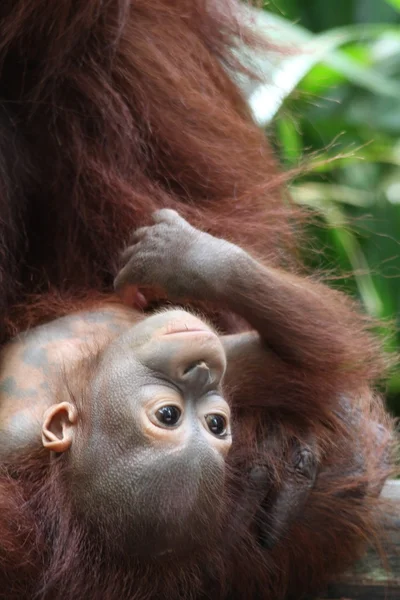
{"points": [[174, 256]]}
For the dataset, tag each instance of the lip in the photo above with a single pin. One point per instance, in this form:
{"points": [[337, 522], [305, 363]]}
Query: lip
{"points": [[192, 336], [188, 330], [189, 324]]}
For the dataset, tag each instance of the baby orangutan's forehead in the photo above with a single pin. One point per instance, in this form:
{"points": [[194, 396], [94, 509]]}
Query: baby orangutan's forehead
{"points": [[37, 364]]}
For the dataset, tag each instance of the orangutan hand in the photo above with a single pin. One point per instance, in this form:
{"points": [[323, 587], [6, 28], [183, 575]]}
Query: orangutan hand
{"points": [[174, 256]]}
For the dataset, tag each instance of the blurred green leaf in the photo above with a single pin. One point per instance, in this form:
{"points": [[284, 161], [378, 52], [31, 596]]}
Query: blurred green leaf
{"points": [[290, 140], [346, 240], [284, 73], [336, 94], [394, 3]]}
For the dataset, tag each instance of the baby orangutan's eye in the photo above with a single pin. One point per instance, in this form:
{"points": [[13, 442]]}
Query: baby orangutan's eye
{"points": [[168, 415], [216, 424]]}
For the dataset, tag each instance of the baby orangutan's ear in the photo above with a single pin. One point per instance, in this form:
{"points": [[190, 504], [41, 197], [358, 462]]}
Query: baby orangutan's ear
{"points": [[59, 423]]}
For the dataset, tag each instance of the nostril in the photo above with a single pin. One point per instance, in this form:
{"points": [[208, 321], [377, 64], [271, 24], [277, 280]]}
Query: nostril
{"points": [[197, 373], [199, 364]]}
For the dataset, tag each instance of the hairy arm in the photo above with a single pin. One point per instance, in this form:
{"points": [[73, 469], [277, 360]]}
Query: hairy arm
{"points": [[303, 332]]}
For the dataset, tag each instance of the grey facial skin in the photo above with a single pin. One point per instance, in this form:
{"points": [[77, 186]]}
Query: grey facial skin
{"points": [[161, 437]]}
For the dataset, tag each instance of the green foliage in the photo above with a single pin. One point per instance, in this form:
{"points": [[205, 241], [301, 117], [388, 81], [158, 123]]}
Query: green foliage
{"points": [[333, 103]]}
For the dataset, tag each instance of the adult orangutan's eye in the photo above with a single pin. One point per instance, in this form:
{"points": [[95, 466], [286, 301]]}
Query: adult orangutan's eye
{"points": [[168, 415], [216, 424]]}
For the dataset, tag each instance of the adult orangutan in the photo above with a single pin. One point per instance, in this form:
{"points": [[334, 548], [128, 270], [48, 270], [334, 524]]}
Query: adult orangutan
{"points": [[111, 109], [123, 474]]}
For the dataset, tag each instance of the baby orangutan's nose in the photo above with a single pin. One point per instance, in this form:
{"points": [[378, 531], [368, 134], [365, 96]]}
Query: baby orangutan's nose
{"points": [[197, 373]]}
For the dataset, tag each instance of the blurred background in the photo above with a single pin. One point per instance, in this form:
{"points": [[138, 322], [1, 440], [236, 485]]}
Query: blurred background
{"points": [[333, 106]]}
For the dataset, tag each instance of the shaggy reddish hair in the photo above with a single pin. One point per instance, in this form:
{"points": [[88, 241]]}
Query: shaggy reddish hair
{"points": [[110, 109], [114, 109]]}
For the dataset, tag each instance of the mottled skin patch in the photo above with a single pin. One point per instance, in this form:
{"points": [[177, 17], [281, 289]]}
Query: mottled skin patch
{"points": [[37, 357], [31, 365], [10, 387]]}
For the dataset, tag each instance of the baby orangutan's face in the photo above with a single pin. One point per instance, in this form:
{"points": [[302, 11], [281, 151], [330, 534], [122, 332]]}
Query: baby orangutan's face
{"points": [[146, 443]]}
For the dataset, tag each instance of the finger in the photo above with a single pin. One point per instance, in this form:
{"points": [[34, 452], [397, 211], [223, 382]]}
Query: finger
{"points": [[167, 215], [125, 277], [135, 238], [126, 255], [138, 235]]}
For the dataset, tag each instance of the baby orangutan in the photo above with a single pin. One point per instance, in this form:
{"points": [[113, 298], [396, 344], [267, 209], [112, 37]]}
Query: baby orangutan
{"points": [[159, 428], [119, 450]]}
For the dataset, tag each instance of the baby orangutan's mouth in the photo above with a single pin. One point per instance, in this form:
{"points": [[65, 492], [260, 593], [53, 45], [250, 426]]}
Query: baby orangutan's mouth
{"points": [[188, 330], [187, 324]]}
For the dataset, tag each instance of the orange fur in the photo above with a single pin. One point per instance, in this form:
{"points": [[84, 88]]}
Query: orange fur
{"points": [[111, 109]]}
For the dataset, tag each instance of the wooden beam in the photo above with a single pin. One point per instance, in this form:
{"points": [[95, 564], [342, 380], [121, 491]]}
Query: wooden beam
{"points": [[372, 578]]}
